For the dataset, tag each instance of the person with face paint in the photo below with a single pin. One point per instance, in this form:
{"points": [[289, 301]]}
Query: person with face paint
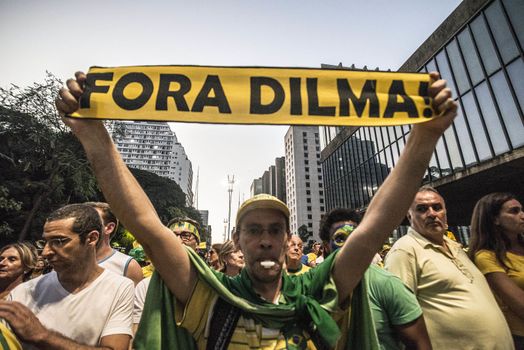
{"points": [[293, 310], [396, 313]]}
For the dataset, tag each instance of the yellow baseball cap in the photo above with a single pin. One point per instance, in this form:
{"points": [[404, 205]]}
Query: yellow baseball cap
{"points": [[262, 201]]}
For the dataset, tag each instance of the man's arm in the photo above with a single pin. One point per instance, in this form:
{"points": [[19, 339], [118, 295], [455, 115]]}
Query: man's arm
{"points": [[134, 271], [414, 335], [28, 329], [390, 204], [125, 196]]}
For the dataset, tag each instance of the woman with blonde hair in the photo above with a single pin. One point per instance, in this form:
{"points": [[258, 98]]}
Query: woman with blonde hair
{"points": [[497, 247], [17, 261], [231, 259]]}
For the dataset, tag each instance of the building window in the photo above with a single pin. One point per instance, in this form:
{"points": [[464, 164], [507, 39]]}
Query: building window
{"points": [[308, 184], [309, 208], [308, 200], [322, 208], [309, 216]]}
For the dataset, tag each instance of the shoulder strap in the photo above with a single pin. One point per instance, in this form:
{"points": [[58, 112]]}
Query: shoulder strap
{"points": [[223, 324]]}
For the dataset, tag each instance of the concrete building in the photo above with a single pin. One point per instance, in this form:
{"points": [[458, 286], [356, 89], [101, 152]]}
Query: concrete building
{"points": [[256, 187], [304, 183], [152, 146], [204, 215], [272, 182], [478, 49]]}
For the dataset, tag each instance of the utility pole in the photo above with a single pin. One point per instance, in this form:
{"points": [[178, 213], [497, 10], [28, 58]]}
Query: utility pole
{"points": [[231, 182], [225, 230]]}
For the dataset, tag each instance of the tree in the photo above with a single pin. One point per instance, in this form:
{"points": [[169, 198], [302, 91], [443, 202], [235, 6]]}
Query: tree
{"points": [[305, 236], [166, 195], [43, 165]]}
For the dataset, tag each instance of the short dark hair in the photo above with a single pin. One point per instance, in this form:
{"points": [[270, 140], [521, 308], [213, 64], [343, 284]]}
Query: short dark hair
{"points": [[86, 218], [428, 188], [107, 214], [336, 215]]}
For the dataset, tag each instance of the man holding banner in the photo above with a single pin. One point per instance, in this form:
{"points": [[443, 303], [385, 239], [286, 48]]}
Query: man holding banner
{"points": [[296, 310]]}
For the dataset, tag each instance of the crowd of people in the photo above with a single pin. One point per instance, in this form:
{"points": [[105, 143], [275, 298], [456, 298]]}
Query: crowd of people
{"points": [[261, 290]]}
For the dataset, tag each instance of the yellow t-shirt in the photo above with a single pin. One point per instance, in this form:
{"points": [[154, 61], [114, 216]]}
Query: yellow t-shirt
{"points": [[8, 340], [248, 334], [488, 263], [147, 270], [311, 257]]}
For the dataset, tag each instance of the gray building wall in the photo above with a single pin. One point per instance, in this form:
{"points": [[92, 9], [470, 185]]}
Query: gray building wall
{"points": [[478, 49], [304, 182]]}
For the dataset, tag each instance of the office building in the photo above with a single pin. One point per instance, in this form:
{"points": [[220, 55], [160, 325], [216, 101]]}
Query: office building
{"points": [[304, 183], [478, 49], [272, 181], [152, 146]]}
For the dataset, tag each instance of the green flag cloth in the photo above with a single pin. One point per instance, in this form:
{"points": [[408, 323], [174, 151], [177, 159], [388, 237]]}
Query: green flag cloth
{"points": [[309, 299]]}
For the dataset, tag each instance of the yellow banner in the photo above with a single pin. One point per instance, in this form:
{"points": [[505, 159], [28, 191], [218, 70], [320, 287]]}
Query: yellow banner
{"points": [[256, 95]]}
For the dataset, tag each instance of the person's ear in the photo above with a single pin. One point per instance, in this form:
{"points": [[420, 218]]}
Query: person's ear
{"points": [[93, 237], [110, 228]]}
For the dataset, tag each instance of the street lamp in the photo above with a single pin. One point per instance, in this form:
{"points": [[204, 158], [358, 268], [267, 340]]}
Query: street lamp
{"points": [[231, 182]]}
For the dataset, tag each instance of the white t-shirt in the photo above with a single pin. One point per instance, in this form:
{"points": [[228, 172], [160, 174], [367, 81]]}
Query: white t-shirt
{"points": [[140, 298], [103, 308]]}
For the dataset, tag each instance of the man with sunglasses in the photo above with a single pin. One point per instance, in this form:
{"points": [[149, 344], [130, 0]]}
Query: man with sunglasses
{"points": [[292, 313], [396, 314], [79, 305], [459, 308]]}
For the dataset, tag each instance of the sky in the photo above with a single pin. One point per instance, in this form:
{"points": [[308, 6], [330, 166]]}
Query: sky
{"points": [[66, 36]]}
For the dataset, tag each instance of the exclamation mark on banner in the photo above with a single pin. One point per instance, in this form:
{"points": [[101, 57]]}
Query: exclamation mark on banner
{"points": [[423, 91]]}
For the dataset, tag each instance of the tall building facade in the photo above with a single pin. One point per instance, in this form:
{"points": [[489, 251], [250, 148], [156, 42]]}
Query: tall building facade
{"points": [[272, 181], [478, 49], [154, 147], [304, 182], [204, 215]]}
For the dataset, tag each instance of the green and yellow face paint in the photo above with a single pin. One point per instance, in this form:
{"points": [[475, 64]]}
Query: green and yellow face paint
{"points": [[340, 235]]}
